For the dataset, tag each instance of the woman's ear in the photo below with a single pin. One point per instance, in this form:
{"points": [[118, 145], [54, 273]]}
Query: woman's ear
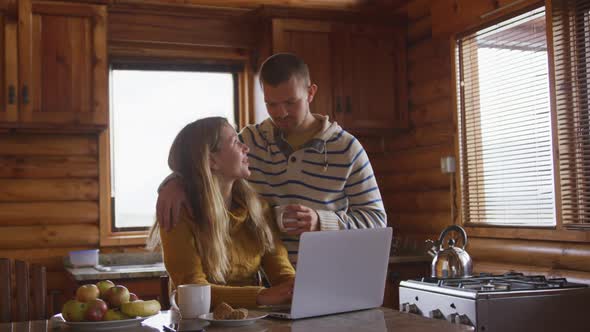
{"points": [[213, 164]]}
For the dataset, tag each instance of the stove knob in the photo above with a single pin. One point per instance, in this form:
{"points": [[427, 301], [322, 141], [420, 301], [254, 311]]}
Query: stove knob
{"points": [[454, 318], [463, 319], [413, 309], [405, 307], [437, 314]]}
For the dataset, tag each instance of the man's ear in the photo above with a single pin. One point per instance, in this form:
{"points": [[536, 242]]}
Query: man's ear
{"points": [[311, 92]]}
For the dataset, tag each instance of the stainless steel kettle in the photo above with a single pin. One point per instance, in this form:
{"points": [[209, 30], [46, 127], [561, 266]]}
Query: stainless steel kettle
{"points": [[451, 262]]}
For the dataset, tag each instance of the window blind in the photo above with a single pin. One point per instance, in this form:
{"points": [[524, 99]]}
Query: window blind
{"points": [[571, 37], [506, 160]]}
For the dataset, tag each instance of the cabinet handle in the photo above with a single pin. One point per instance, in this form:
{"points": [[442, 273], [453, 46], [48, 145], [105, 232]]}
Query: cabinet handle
{"points": [[338, 105], [25, 95], [348, 105], [11, 94]]}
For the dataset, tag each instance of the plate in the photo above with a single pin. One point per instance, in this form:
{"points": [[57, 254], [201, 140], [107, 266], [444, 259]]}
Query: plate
{"points": [[102, 325], [253, 316]]}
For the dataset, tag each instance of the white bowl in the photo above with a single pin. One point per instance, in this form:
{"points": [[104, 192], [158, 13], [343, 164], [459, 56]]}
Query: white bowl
{"points": [[84, 257]]}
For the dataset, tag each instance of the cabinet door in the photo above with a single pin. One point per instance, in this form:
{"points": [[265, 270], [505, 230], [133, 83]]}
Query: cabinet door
{"points": [[374, 93], [64, 64], [310, 40], [8, 68]]}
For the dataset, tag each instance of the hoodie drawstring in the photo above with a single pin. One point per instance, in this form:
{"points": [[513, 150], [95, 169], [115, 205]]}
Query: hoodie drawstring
{"points": [[325, 157]]}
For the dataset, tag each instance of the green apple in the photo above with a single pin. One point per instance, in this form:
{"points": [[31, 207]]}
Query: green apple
{"points": [[74, 311], [117, 295], [103, 287], [87, 293]]}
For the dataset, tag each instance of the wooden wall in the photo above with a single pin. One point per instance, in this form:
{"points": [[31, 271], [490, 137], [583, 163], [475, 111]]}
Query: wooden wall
{"points": [[416, 190], [48, 198]]}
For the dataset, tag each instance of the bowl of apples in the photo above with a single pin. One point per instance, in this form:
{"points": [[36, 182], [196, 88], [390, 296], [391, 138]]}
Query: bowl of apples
{"points": [[105, 306]]}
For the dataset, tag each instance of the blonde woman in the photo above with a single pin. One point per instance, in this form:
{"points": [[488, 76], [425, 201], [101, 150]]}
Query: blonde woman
{"points": [[231, 234]]}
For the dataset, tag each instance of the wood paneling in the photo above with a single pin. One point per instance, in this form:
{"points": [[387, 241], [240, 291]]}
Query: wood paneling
{"points": [[48, 200], [419, 180], [48, 167], [554, 255], [412, 201], [36, 190], [48, 213], [48, 145], [54, 236], [217, 32]]}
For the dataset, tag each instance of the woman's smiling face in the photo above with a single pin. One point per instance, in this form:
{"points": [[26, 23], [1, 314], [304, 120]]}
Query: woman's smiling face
{"points": [[231, 158]]}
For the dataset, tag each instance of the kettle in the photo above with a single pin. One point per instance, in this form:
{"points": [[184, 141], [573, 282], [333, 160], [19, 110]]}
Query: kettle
{"points": [[452, 262]]}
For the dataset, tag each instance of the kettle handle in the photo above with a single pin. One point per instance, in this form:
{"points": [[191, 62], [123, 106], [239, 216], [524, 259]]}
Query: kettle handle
{"points": [[457, 229]]}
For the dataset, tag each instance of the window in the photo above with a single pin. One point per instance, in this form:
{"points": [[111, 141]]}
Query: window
{"points": [[504, 112], [149, 106], [571, 35]]}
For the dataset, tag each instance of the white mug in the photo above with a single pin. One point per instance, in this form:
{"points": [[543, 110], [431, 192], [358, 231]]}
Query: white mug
{"points": [[279, 211], [193, 300]]}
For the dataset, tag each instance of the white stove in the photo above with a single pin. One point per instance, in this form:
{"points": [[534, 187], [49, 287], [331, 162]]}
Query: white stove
{"points": [[510, 302]]}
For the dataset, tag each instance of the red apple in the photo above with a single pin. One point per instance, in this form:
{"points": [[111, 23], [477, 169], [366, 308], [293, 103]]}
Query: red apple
{"points": [[133, 297], [103, 287], [117, 295], [95, 311], [87, 293]]}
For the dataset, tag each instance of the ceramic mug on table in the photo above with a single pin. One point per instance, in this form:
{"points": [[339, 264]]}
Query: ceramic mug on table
{"points": [[193, 300], [279, 211]]}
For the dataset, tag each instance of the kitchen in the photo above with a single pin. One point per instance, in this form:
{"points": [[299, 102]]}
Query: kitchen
{"points": [[56, 161]]}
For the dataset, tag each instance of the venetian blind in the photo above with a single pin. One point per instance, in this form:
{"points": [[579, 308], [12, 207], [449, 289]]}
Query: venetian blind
{"points": [[571, 34], [506, 160]]}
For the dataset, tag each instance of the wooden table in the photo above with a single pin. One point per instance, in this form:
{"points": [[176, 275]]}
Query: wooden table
{"points": [[374, 320]]}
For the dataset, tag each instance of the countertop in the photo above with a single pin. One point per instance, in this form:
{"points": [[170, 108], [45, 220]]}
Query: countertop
{"points": [[374, 320], [122, 266]]}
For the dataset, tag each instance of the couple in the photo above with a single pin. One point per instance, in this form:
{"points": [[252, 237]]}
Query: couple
{"points": [[226, 233]]}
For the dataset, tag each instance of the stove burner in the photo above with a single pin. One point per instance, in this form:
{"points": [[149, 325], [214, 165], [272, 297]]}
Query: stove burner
{"points": [[511, 281]]}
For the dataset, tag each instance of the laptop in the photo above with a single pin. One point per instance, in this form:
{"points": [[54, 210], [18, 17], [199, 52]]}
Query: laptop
{"points": [[339, 271]]}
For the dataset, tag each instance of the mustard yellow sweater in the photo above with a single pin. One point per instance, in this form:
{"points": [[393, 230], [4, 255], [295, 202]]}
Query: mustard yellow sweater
{"points": [[184, 265]]}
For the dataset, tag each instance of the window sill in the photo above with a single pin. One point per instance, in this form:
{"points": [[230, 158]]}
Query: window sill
{"points": [[558, 233], [123, 239], [577, 227]]}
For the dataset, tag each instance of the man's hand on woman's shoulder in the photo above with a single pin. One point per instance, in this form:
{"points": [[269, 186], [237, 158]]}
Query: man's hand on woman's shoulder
{"points": [[171, 199]]}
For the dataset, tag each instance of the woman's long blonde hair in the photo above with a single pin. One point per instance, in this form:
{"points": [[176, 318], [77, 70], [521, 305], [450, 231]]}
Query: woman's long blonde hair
{"points": [[189, 156]]}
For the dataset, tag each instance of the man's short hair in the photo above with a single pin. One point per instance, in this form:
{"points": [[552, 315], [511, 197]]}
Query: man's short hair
{"points": [[280, 67]]}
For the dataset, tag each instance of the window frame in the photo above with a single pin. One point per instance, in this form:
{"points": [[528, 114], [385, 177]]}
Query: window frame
{"points": [[558, 232], [133, 54]]}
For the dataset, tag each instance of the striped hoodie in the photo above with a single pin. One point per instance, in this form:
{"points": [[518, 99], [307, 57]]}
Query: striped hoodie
{"points": [[330, 174]]}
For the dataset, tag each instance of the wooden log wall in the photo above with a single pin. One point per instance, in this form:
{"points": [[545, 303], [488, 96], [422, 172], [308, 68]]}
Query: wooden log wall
{"points": [[415, 190], [48, 199]]}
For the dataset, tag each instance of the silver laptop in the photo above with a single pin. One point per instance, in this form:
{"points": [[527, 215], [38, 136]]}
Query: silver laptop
{"points": [[339, 271]]}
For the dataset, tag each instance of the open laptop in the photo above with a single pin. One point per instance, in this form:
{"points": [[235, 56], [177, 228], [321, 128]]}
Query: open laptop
{"points": [[339, 271]]}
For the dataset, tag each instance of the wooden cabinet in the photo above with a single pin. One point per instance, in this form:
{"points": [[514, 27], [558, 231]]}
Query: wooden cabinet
{"points": [[60, 73], [398, 272], [8, 67], [359, 68]]}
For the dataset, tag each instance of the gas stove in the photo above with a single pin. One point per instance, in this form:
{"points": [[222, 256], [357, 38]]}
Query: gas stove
{"points": [[509, 302]]}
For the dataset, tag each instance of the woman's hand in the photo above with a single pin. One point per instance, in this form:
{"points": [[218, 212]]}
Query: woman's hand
{"points": [[171, 198], [279, 294]]}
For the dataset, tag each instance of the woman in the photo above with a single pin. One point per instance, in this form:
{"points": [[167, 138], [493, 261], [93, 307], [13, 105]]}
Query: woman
{"points": [[230, 237]]}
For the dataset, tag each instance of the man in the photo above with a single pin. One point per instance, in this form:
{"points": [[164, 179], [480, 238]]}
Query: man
{"points": [[301, 159]]}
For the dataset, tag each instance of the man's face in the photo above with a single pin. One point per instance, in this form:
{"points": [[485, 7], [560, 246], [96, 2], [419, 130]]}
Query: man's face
{"points": [[288, 103]]}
